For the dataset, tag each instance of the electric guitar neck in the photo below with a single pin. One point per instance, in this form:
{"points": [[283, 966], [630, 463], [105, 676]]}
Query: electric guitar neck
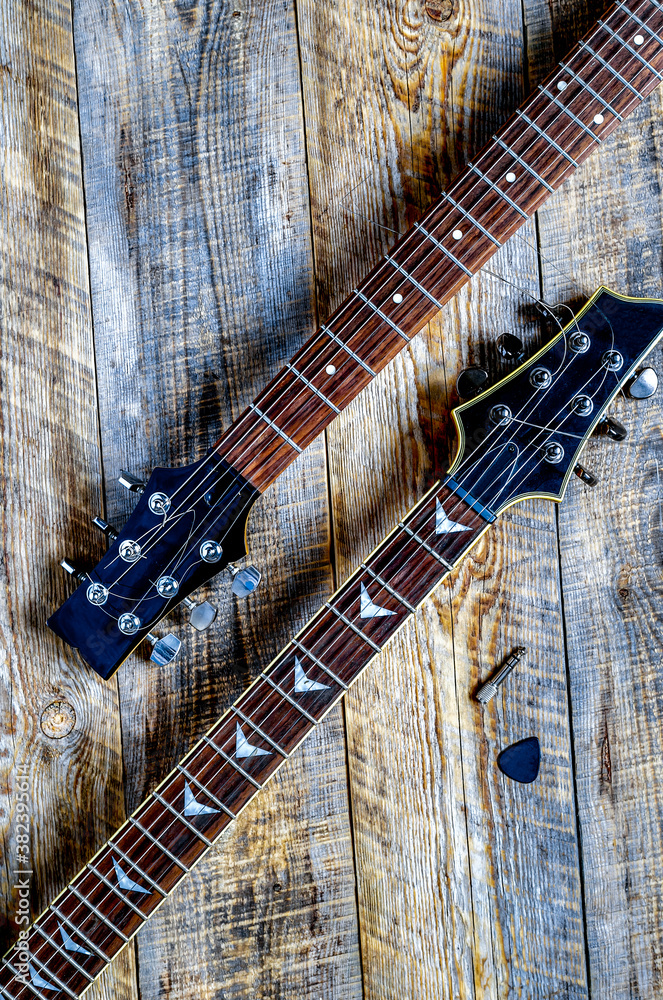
{"points": [[151, 565], [520, 439]]}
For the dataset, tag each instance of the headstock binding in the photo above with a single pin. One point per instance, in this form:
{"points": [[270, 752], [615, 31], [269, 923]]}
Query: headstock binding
{"points": [[500, 464]]}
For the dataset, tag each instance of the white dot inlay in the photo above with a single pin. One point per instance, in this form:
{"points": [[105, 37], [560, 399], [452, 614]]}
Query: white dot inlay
{"points": [[639, 39], [331, 369], [457, 234], [562, 84], [511, 177], [397, 298], [598, 119]]}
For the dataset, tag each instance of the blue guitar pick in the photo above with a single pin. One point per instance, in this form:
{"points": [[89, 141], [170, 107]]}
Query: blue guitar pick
{"points": [[521, 760]]}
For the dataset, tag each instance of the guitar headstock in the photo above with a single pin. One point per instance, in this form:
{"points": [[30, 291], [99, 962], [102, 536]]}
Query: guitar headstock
{"points": [[187, 526], [522, 438]]}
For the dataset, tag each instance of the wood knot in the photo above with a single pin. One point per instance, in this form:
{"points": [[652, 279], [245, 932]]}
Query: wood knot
{"points": [[439, 10], [57, 720]]}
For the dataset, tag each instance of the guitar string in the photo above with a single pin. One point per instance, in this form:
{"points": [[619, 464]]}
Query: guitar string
{"points": [[219, 793], [164, 788], [557, 117], [405, 282]]}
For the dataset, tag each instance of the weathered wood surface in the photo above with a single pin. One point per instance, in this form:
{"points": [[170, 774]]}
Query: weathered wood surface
{"points": [[239, 164], [172, 98], [47, 411]]}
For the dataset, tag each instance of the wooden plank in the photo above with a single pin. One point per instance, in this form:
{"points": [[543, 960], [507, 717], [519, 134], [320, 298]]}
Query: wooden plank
{"points": [[201, 274], [61, 764], [605, 227], [454, 898]]}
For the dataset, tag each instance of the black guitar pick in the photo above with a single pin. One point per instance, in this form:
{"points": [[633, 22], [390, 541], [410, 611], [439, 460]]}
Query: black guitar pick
{"points": [[521, 760]]}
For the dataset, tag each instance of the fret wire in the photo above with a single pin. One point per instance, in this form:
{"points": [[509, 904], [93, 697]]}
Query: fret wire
{"points": [[169, 854], [67, 920], [287, 697], [217, 802], [425, 546], [633, 52], [643, 24], [656, 4], [499, 191], [118, 892], [444, 250], [568, 112], [99, 914], [410, 278], [53, 978], [67, 957], [523, 163], [306, 382], [544, 135], [238, 767], [390, 590], [182, 819], [350, 624], [260, 732], [24, 982], [5, 993], [275, 427], [348, 350], [471, 219], [319, 663], [615, 73], [382, 315], [125, 857], [590, 90]]}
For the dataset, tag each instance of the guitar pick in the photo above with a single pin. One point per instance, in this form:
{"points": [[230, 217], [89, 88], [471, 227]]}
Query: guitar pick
{"points": [[520, 761]]}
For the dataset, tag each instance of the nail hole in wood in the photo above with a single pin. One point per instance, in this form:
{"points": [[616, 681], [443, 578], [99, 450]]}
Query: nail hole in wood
{"points": [[57, 720], [439, 10]]}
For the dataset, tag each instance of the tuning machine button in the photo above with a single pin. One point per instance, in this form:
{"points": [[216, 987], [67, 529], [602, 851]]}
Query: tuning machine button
{"points": [[130, 482], [201, 615], [108, 530], [471, 381], [245, 580], [73, 570], [643, 385], [165, 649], [510, 347], [587, 477], [612, 429]]}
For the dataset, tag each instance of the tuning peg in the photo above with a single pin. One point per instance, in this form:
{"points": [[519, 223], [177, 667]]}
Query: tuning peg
{"points": [[165, 649], [245, 580], [510, 347], [73, 570], [643, 385], [471, 381], [108, 529], [612, 429], [131, 483], [582, 473], [201, 615]]}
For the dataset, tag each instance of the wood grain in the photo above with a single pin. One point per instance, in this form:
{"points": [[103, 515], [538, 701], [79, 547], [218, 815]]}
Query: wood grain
{"points": [[605, 226], [201, 276], [454, 900], [209, 131], [51, 475]]}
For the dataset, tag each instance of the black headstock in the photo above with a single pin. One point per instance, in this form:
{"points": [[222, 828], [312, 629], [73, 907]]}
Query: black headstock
{"points": [[522, 438], [188, 525]]}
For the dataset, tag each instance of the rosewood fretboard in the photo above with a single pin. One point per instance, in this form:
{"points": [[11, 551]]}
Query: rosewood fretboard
{"points": [[602, 80], [112, 897]]}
